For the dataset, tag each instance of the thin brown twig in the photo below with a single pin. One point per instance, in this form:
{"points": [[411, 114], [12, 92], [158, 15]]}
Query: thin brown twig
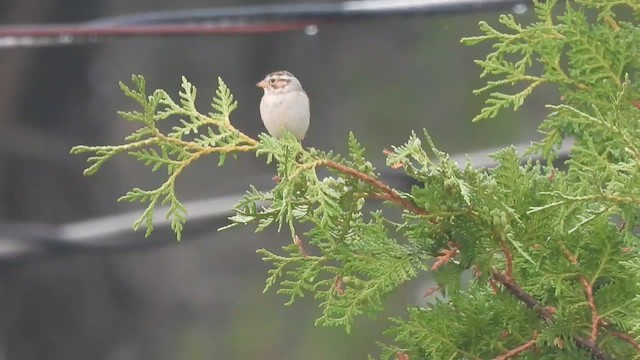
{"points": [[390, 194], [300, 246], [612, 22], [494, 286], [338, 284], [519, 350], [546, 313], [445, 256], [627, 338], [381, 196], [508, 259], [393, 166], [595, 318], [569, 256], [432, 290], [592, 347]]}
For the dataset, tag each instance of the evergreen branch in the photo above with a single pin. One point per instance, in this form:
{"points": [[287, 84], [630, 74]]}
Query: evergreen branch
{"points": [[627, 338], [585, 44], [430, 291], [508, 259], [459, 217], [592, 347], [520, 349], [544, 312], [388, 193], [104, 153], [510, 80], [498, 101], [176, 210], [595, 318], [300, 246], [547, 314], [600, 121], [618, 200], [175, 153], [445, 256], [613, 23]]}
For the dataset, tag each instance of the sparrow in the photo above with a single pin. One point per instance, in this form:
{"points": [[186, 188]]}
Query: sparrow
{"points": [[284, 105]]}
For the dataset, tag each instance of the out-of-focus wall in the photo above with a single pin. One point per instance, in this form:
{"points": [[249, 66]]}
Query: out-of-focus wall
{"points": [[201, 299]]}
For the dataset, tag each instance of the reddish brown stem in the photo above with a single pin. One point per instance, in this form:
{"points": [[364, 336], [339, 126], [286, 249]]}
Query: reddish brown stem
{"points": [[511, 286], [390, 194], [546, 314], [508, 259], [595, 318], [569, 256], [628, 339], [432, 290], [300, 245], [338, 284], [519, 350], [445, 256]]}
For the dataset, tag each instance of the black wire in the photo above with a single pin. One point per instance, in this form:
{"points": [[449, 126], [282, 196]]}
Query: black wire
{"points": [[349, 10], [237, 20]]}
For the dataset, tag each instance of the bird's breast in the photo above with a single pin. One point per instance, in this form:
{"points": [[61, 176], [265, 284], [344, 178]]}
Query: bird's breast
{"points": [[285, 111]]}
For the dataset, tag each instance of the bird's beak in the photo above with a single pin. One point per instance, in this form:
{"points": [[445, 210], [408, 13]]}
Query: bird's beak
{"points": [[262, 84]]}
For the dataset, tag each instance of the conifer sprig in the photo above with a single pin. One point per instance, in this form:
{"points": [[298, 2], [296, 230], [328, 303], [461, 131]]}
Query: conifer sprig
{"points": [[212, 133], [553, 252]]}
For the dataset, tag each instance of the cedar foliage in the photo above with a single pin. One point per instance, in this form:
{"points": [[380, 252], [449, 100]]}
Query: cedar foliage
{"points": [[554, 252]]}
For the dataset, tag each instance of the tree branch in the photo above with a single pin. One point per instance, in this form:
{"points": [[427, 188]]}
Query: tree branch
{"points": [[546, 314], [508, 259], [595, 318], [519, 350], [446, 255], [627, 338], [507, 281], [387, 192]]}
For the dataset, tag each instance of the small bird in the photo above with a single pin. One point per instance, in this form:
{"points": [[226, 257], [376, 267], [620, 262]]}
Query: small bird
{"points": [[284, 105]]}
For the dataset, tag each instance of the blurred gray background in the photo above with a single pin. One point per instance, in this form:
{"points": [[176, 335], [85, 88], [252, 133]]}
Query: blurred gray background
{"points": [[202, 298]]}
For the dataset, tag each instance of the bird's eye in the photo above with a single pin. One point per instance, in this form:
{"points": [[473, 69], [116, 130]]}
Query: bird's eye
{"points": [[272, 80]]}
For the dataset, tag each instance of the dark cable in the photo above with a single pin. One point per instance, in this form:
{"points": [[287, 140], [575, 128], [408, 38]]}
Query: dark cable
{"points": [[237, 20]]}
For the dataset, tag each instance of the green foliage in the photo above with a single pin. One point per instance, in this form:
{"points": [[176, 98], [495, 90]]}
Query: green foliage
{"points": [[211, 133], [553, 252]]}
